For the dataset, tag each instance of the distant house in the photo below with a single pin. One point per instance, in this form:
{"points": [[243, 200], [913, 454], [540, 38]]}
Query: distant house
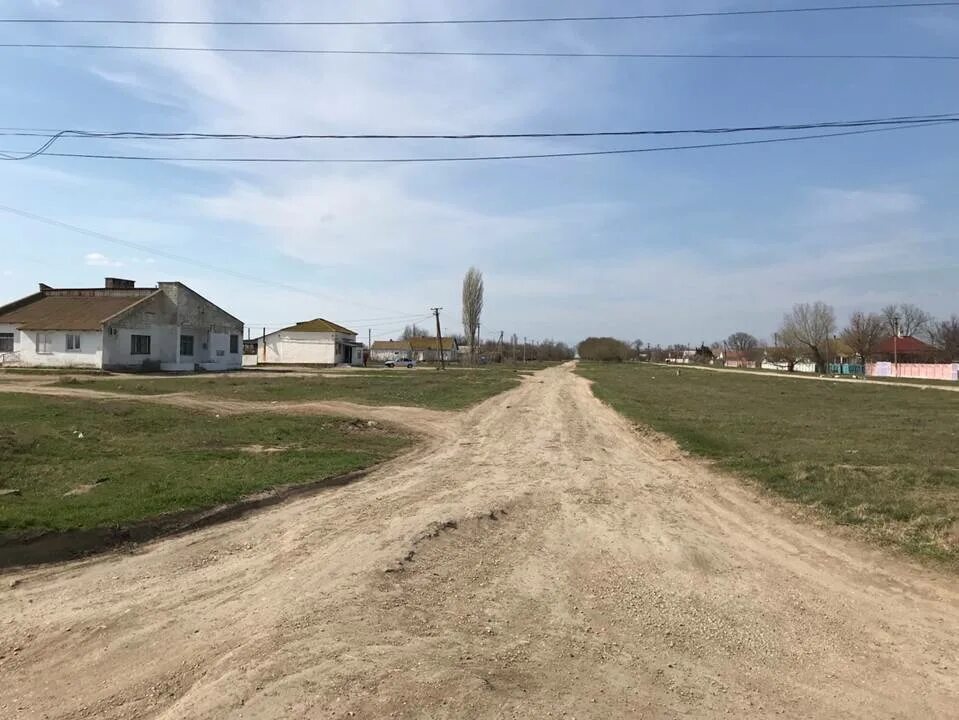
{"points": [[313, 342], [120, 327], [426, 349], [904, 349], [384, 350], [737, 359]]}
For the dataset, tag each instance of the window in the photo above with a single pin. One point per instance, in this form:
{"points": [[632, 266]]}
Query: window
{"points": [[139, 344], [186, 345], [234, 344], [6, 342], [44, 343], [73, 342]]}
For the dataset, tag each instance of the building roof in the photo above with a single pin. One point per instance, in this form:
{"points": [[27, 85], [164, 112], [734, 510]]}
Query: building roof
{"points": [[318, 325], [905, 345], [390, 345], [430, 343], [79, 309]]}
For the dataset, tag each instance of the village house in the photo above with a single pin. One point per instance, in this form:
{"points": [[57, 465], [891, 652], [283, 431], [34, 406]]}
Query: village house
{"points": [[904, 349], [426, 349], [386, 350], [120, 327], [313, 342]]}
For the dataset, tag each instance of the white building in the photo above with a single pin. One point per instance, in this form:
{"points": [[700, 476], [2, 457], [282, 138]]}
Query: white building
{"points": [[120, 327], [385, 350], [313, 342]]}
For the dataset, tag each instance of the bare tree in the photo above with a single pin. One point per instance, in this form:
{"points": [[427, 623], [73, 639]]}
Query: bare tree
{"points": [[809, 327], [412, 331], [864, 334], [945, 336], [911, 319], [744, 345], [472, 307]]}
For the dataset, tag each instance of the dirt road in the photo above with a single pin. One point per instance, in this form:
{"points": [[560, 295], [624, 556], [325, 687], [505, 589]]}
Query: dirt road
{"points": [[541, 560]]}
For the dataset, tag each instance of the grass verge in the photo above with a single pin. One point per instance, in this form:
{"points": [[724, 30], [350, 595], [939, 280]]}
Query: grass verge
{"points": [[138, 460], [882, 458], [451, 390]]}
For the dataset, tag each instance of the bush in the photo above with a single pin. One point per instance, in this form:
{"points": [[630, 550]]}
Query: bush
{"points": [[606, 349]]}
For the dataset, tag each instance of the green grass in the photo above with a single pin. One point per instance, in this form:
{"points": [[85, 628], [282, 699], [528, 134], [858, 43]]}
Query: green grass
{"points": [[142, 460], [450, 390], [882, 458]]}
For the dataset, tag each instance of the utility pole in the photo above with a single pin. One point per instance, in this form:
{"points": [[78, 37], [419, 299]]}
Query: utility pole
{"points": [[263, 344], [501, 346], [895, 344], [524, 349], [439, 336]]}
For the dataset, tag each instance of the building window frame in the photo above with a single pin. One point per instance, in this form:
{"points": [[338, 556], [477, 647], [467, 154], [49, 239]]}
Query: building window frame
{"points": [[139, 344], [7, 342], [72, 342], [186, 345], [234, 344], [44, 343]]}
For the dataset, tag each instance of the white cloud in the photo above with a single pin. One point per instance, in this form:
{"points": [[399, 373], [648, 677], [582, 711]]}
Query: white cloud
{"points": [[95, 259], [831, 205]]}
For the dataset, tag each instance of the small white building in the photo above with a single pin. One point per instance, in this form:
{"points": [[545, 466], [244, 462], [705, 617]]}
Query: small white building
{"points": [[120, 327], [385, 350], [313, 342], [426, 349]]}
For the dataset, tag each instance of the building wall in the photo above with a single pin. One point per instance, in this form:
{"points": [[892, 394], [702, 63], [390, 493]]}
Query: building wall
{"points": [[176, 311], [309, 348], [384, 355], [920, 371], [89, 355]]}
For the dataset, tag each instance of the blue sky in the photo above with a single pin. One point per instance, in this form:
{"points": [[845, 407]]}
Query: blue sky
{"points": [[670, 247]]}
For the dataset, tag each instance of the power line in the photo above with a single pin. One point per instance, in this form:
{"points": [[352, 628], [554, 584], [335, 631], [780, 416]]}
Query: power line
{"points": [[491, 53], [172, 256], [475, 158], [55, 134], [487, 21]]}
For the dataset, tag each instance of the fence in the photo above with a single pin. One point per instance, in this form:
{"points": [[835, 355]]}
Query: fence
{"points": [[920, 371], [846, 369]]}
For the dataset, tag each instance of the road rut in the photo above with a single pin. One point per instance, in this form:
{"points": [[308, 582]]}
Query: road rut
{"points": [[538, 557]]}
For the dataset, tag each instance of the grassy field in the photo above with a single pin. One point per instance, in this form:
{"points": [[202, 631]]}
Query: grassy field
{"points": [[137, 460], [450, 390], [882, 458]]}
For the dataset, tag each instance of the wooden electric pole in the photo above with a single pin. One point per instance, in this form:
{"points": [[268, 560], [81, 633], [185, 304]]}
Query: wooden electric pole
{"points": [[439, 336]]}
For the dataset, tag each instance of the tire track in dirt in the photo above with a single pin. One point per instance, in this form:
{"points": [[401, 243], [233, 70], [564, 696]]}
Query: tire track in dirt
{"points": [[538, 556]]}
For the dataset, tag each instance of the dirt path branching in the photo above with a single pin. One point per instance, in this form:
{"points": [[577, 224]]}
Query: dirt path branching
{"points": [[535, 556]]}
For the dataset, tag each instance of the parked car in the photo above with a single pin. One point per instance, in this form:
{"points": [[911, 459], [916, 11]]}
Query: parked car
{"points": [[401, 361]]}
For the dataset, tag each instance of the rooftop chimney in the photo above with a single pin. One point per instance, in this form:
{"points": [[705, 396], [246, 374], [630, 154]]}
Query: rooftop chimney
{"points": [[119, 284]]}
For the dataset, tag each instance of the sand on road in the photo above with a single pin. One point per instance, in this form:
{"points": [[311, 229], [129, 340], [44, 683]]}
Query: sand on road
{"points": [[537, 557]]}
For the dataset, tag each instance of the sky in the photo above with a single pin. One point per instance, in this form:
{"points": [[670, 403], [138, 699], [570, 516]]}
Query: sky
{"points": [[671, 247]]}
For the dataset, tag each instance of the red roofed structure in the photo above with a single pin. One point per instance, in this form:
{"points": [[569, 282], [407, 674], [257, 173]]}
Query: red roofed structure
{"points": [[905, 349]]}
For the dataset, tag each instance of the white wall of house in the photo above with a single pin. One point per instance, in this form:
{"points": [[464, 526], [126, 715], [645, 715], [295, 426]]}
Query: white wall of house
{"points": [[48, 348], [309, 348], [384, 355], [10, 335]]}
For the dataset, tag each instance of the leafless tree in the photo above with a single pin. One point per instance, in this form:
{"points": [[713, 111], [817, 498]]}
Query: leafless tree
{"points": [[744, 345], [809, 327], [472, 307], [912, 320], [864, 334], [945, 336], [412, 331]]}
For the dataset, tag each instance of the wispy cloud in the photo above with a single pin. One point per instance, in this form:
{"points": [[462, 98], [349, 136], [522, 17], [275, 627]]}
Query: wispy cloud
{"points": [[834, 205], [95, 259]]}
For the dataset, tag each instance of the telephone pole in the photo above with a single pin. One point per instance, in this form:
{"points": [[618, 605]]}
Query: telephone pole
{"points": [[439, 336]]}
